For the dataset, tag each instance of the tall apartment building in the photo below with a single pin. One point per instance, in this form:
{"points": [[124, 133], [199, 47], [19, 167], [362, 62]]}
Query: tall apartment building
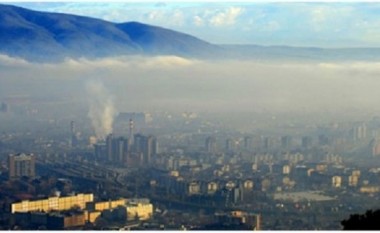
{"points": [[21, 165], [210, 144], [120, 150]]}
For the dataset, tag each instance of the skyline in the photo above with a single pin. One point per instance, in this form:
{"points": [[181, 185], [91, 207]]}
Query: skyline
{"points": [[330, 25]]}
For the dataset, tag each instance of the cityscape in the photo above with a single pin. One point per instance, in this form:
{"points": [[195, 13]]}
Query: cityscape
{"points": [[159, 130], [166, 171]]}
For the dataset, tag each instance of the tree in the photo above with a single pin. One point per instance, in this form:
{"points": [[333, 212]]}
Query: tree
{"points": [[367, 221]]}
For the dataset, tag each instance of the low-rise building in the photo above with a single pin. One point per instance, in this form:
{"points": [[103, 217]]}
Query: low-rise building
{"points": [[370, 189], [53, 203], [105, 205], [90, 211], [50, 221], [141, 210]]}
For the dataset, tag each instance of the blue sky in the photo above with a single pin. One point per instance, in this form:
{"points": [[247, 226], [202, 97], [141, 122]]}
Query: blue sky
{"points": [[324, 24]]}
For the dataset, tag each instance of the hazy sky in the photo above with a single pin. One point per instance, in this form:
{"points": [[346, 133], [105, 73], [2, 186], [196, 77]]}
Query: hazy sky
{"points": [[323, 24]]}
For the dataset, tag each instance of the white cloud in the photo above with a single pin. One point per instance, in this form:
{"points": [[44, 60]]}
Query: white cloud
{"points": [[198, 21], [166, 62], [326, 16], [227, 17], [178, 18], [125, 63], [319, 14], [6, 60], [154, 15], [272, 26]]}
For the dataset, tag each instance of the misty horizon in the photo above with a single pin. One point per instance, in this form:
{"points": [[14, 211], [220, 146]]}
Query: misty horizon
{"points": [[247, 84]]}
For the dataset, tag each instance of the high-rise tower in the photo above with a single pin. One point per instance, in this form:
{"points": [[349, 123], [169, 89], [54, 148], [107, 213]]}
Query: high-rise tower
{"points": [[73, 136], [248, 142], [131, 133], [230, 144], [21, 165], [72, 127], [210, 144], [109, 147]]}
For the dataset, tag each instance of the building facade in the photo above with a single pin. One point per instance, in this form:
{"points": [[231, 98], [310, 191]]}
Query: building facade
{"points": [[21, 165], [53, 203]]}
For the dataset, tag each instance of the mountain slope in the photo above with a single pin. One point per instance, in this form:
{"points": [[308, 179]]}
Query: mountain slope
{"points": [[266, 53], [45, 36], [155, 40]]}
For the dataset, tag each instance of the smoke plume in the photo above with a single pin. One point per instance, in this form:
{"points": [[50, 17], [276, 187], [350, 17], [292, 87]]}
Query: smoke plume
{"points": [[102, 109]]}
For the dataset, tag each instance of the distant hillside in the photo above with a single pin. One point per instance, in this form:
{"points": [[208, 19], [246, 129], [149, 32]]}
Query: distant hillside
{"points": [[44, 36], [301, 53], [157, 40]]}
